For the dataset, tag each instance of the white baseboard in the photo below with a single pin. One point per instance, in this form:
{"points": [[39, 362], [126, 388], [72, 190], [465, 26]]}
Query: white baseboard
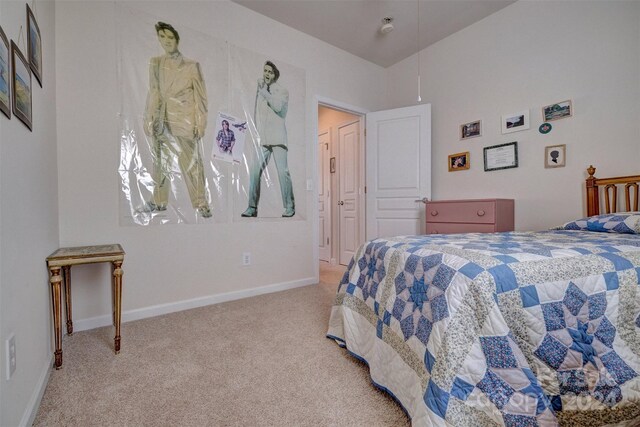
{"points": [[31, 410], [158, 310]]}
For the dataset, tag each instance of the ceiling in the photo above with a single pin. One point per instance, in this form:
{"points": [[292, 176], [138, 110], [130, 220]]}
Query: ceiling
{"points": [[354, 25]]}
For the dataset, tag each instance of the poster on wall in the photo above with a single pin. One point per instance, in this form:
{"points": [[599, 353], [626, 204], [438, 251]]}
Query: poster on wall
{"points": [[172, 79], [271, 95], [229, 138]]}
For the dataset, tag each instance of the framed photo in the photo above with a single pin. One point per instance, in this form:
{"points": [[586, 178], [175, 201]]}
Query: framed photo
{"points": [[555, 156], [557, 111], [459, 161], [21, 79], [515, 122], [5, 84], [34, 46], [471, 130], [503, 156], [332, 165]]}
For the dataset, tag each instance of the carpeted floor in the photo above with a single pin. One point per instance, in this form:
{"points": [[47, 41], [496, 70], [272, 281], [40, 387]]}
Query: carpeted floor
{"points": [[261, 361]]}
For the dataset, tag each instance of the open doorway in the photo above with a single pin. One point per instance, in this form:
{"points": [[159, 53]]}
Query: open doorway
{"points": [[340, 183]]}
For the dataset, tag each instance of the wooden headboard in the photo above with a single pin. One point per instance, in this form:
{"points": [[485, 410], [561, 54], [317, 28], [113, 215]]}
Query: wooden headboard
{"points": [[610, 190]]}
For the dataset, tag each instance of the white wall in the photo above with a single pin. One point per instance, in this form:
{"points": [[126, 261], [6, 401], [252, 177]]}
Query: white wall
{"points": [[528, 55], [28, 225], [174, 263], [531, 54]]}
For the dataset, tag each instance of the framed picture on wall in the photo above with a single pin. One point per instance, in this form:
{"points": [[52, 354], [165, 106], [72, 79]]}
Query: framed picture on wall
{"points": [[471, 130], [515, 122], [557, 111], [555, 156], [5, 83], [502, 156], [34, 46], [459, 161], [21, 78]]}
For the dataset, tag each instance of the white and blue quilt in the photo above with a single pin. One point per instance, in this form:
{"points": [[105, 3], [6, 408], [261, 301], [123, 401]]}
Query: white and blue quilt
{"points": [[506, 329]]}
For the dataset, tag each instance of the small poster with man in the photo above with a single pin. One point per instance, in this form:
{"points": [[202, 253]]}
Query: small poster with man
{"points": [[229, 138]]}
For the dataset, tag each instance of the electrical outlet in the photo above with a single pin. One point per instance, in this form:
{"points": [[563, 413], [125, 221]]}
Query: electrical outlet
{"points": [[246, 258], [10, 346]]}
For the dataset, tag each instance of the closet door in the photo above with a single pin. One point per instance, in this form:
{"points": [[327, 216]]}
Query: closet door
{"points": [[398, 153]]}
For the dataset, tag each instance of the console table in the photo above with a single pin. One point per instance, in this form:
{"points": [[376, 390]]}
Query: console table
{"points": [[63, 259]]}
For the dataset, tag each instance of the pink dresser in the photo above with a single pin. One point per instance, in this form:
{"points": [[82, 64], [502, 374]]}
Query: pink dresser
{"points": [[469, 216]]}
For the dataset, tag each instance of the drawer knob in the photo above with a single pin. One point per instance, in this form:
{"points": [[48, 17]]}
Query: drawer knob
{"points": [[481, 212], [434, 213]]}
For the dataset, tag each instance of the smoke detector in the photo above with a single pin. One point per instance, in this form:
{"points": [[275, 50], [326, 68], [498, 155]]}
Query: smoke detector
{"points": [[387, 25]]}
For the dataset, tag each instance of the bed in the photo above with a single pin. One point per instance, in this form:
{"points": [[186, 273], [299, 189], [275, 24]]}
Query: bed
{"points": [[504, 329]]}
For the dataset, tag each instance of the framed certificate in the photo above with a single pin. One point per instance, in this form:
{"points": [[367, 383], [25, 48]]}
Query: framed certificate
{"points": [[503, 156]]}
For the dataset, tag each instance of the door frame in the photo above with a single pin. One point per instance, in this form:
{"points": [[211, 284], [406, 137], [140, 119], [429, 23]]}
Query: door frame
{"points": [[360, 112]]}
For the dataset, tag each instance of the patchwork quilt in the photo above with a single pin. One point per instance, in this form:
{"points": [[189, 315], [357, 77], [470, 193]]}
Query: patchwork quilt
{"points": [[505, 329]]}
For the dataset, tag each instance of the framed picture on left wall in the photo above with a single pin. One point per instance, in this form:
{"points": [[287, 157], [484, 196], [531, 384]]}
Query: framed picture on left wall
{"points": [[34, 49], [21, 95], [5, 85]]}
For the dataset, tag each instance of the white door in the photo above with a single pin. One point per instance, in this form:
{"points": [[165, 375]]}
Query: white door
{"points": [[398, 162], [349, 190], [324, 202]]}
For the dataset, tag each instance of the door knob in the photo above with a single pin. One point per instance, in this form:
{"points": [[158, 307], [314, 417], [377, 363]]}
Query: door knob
{"points": [[340, 203], [423, 200]]}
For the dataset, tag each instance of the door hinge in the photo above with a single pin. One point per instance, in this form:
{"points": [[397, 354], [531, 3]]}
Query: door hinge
{"points": [[326, 146], [327, 240]]}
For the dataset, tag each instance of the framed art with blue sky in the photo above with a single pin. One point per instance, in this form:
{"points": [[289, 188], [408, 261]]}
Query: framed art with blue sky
{"points": [[21, 95], [34, 45]]}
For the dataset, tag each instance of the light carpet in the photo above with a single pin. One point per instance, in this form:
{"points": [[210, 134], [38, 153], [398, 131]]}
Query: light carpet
{"points": [[261, 361]]}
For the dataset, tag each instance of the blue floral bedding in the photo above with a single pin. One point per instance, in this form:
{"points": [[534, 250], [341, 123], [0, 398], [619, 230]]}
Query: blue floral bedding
{"points": [[505, 329]]}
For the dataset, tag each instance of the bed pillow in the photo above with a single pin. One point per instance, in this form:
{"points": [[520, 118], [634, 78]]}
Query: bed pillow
{"points": [[623, 222]]}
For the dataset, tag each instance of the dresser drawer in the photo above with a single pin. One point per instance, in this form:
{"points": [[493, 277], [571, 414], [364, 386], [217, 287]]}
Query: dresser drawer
{"points": [[451, 228], [477, 212]]}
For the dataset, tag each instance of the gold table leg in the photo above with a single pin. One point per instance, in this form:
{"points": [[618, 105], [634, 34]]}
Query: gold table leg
{"points": [[117, 301], [55, 281], [66, 271]]}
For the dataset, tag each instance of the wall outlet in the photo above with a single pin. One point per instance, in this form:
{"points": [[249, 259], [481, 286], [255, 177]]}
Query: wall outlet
{"points": [[246, 258], [10, 346]]}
